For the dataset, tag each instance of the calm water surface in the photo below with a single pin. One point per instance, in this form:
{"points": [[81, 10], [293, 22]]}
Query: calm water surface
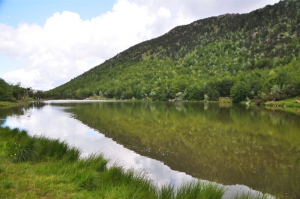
{"points": [[229, 145]]}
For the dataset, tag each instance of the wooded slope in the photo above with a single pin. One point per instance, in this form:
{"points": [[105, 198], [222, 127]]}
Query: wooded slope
{"points": [[254, 55]]}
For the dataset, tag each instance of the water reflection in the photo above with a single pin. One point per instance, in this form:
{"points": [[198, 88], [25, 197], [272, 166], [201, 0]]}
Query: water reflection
{"points": [[54, 123], [230, 145]]}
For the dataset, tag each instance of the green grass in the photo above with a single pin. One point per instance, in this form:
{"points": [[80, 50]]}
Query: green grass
{"points": [[2, 168], [288, 105], [194, 190], [7, 104], [285, 103], [225, 100], [37, 167], [249, 196]]}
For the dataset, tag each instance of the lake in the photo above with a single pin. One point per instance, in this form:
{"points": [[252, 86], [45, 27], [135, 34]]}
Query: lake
{"points": [[241, 147]]}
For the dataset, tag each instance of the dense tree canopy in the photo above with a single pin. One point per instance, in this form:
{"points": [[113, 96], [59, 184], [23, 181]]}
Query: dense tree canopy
{"points": [[5, 91], [239, 92]]}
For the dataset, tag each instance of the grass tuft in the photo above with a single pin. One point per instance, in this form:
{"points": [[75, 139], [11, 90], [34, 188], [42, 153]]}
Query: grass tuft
{"points": [[18, 151], [251, 196], [166, 192], [8, 184], [2, 168], [89, 181], [24, 148], [199, 190]]}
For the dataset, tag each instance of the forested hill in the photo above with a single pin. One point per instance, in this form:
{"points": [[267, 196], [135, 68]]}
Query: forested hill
{"points": [[10, 92], [254, 55]]}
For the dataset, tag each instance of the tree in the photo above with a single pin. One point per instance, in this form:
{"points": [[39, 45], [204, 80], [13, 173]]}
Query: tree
{"points": [[224, 87], [5, 91], [18, 92], [127, 94], [212, 92], [239, 92], [195, 92]]}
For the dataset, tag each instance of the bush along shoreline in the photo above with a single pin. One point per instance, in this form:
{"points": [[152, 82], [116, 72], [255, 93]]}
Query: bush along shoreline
{"points": [[35, 167]]}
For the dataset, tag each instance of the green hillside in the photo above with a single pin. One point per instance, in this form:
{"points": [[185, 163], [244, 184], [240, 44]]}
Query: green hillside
{"points": [[254, 55], [13, 93]]}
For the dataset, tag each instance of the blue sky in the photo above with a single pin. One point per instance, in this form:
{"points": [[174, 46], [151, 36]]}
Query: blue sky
{"points": [[13, 12], [45, 43]]}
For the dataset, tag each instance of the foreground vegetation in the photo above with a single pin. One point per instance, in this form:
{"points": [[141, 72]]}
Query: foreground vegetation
{"points": [[39, 167]]}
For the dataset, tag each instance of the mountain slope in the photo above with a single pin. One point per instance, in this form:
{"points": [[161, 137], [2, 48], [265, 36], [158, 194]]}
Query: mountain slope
{"points": [[256, 52]]}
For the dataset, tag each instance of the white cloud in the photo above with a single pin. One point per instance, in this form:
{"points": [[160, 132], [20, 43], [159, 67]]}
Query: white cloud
{"points": [[66, 46]]}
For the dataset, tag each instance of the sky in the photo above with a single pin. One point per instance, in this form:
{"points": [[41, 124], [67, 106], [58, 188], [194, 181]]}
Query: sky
{"points": [[46, 43]]}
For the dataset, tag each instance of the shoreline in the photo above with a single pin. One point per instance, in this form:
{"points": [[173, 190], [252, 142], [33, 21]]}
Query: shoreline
{"points": [[291, 105], [7, 104], [291, 102]]}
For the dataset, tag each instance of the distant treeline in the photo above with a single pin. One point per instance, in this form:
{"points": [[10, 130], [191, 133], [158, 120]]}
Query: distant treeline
{"points": [[11, 92]]}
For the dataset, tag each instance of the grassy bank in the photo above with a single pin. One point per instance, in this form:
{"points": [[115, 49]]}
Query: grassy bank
{"points": [[287, 105], [7, 104], [37, 167], [293, 102]]}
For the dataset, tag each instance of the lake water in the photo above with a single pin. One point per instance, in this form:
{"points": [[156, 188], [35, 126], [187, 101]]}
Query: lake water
{"points": [[243, 148]]}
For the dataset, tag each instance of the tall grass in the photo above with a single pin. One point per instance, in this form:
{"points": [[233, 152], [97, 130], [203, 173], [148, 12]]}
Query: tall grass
{"points": [[192, 190], [253, 196], [24, 148]]}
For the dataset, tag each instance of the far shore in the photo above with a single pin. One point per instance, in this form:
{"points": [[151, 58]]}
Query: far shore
{"points": [[289, 105]]}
